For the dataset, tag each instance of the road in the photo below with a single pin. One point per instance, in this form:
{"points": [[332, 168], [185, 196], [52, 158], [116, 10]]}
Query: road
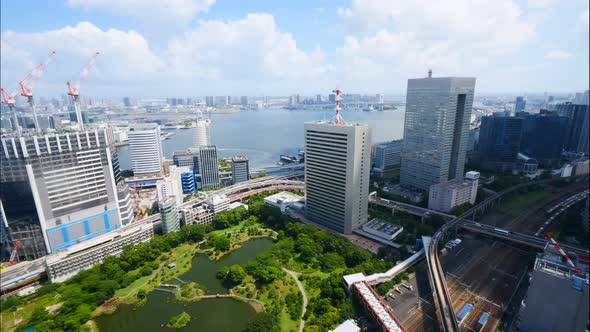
{"points": [[302, 290]]}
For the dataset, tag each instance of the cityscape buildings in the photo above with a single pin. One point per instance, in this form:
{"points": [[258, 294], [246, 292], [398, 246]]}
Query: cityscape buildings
{"points": [[337, 165], [145, 148], [544, 137], [436, 130], [520, 104], [577, 139], [447, 195], [201, 132], [388, 155], [499, 142]]}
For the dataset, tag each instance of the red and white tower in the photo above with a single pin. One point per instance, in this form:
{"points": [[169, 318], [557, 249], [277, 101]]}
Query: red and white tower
{"points": [[338, 118], [563, 254]]}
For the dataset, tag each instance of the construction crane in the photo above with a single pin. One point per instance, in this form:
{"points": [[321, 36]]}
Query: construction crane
{"points": [[27, 84], [563, 254], [13, 254], [8, 99], [73, 90]]}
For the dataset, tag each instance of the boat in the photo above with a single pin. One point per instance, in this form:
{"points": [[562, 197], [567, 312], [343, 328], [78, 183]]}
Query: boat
{"points": [[288, 159]]}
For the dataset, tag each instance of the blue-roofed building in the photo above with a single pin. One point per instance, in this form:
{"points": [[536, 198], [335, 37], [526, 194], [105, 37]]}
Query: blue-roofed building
{"points": [[464, 312]]}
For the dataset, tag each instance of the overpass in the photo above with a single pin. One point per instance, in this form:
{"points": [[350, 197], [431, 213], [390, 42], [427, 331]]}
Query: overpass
{"points": [[378, 310]]}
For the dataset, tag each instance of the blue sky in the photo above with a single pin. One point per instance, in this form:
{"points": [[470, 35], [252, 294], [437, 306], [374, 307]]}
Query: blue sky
{"points": [[199, 47]]}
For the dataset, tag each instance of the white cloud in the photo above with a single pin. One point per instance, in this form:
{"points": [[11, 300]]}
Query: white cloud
{"points": [[245, 49], [456, 37], [168, 10], [540, 3], [125, 55], [557, 55]]}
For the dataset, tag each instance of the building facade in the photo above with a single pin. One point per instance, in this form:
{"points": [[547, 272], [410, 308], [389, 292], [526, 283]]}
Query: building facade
{"points": [[201, 132], [448, 195], [145, 148], [544, 137], [209, 167], [240, 171], [577, 139], [337, 166], [58, 190], [436, 130], [388, 155], [169, 215], [520, 104], [499, 142]]}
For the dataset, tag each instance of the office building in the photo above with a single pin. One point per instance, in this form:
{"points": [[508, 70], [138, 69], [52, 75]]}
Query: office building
{"points": [[125, 204], [217, 203], [58, 190], [577, 139], [436, 130], [199, 215], [499, 143], [209, 167], [244, 100], [221, 101], [543, 138], [240, 171], [337, 166], [332, 98], [145, 148], [447, 195], [388, 155], [169, 215], [582, 98], [209, 101], [382, 229], [74, 118], [188, 157], [282, 200], [201, 133], [520, 104], [126, 102]]}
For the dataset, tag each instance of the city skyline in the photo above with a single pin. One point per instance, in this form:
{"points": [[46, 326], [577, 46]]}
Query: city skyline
{"points": [[198, 48]]}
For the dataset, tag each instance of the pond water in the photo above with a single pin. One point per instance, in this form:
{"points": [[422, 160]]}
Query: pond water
{"points": [[223, 314]]}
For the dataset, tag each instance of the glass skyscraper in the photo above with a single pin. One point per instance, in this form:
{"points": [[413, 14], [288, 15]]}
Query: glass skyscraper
{"points": [[436, 130]]}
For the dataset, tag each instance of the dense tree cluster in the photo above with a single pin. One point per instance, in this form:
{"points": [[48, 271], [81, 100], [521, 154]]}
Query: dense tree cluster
{"points": [[228, 218]]}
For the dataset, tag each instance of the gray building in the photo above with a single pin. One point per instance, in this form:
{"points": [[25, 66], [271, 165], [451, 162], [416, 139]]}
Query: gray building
{"points": [[337, 166], [520, 104], [58, 190], [209, 167], [577, 140], [240, 171], [436, 130], [189, 157], [388, 154], [169, 215]]}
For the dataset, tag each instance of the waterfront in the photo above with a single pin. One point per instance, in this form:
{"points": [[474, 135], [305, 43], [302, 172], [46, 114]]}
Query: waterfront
{"points": [[207, 314], [263, 135]]}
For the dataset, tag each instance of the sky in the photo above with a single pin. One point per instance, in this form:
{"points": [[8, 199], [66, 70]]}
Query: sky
{"points": [[178, 48]]}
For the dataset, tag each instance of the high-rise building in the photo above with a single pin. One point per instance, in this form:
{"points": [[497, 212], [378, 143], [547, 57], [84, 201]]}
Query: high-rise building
{"points": [[577, 140], [520, 104], [208, 166], [337, 166], [332, 98], [171, 185], [187, 178], [318, 99], [221, 101], [126, 102], [169, 215], [436, 130], [388, 154], [499, 142], [58, 190], [544, 137], [447, 195], [201, 132], [244, 100], [145, 148], [125, 204], [209, 101], [240, 171]]}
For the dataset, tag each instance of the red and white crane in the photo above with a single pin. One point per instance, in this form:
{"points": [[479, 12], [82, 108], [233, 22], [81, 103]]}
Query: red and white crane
{"points": [[26, 86], [13, 253], [8, 99], [563, 254], [338, 118], [73, 89]]}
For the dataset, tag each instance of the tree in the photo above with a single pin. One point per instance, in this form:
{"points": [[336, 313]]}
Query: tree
{"points": [[220, 243], [237, 274], [331, 261], [260, 322]]}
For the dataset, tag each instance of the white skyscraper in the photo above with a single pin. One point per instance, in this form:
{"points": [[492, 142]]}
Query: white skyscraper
{"points": [[436, 130], [171, 185], [201, 134], [337, 165], [145, 148]]}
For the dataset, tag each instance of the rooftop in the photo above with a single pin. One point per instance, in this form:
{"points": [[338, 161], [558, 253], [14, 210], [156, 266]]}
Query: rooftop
{"points": [[382, 226], [283, 197]]}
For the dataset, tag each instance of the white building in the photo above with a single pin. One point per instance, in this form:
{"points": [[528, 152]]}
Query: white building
{"points": [[199, 215], [171, 185], [337, 166], [217, 203], [447, 195], [282, 200], [382, 229], [145, 148], [201, 133], [169, 214]]}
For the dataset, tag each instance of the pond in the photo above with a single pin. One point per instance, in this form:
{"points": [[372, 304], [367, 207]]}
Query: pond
{"points": [[220, 314]]}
